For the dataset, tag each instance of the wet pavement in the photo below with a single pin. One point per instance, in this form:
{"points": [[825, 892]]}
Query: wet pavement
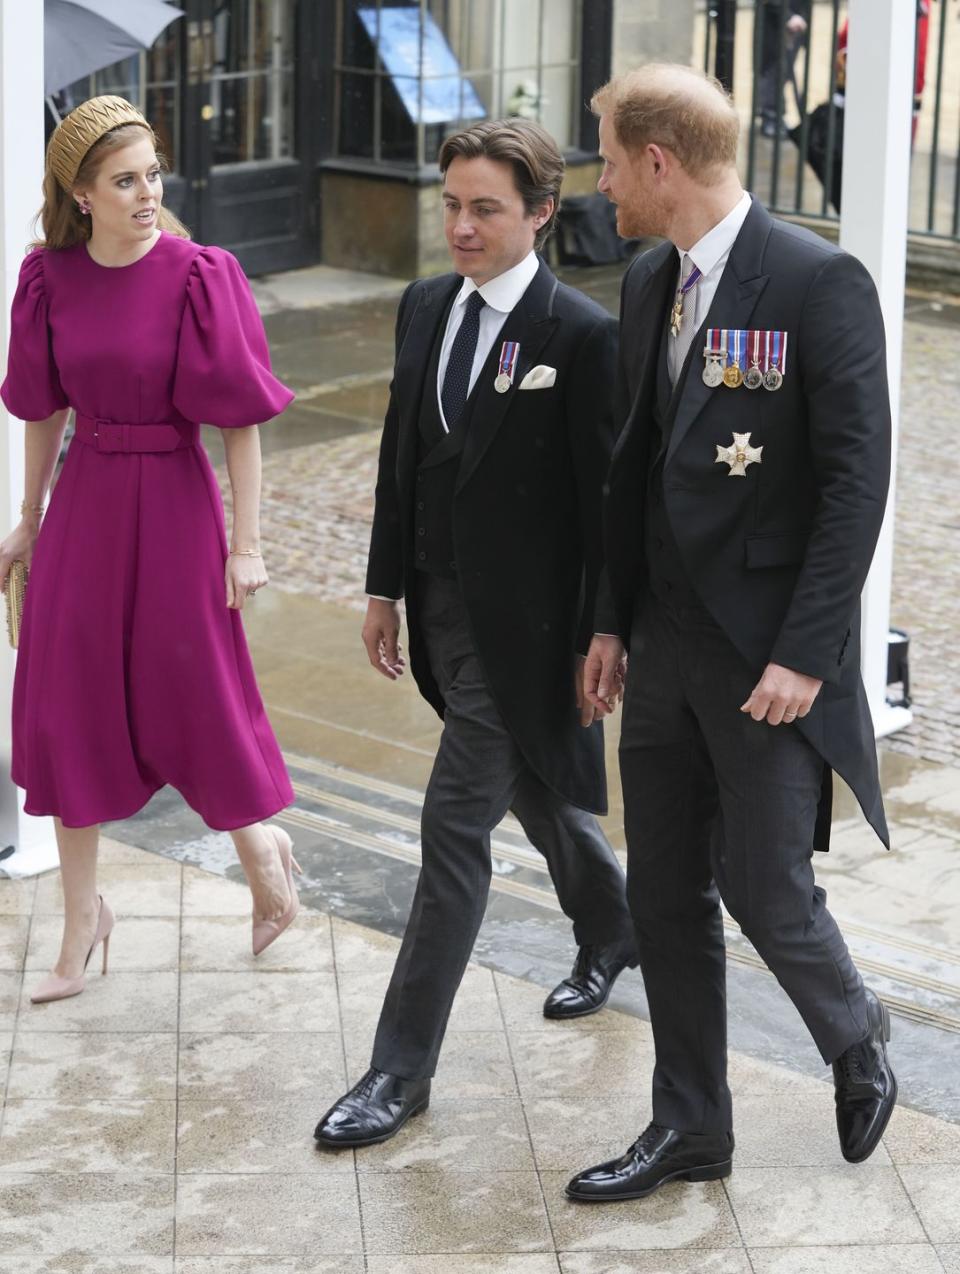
{"points": [[161, 1122], [360, 749]]}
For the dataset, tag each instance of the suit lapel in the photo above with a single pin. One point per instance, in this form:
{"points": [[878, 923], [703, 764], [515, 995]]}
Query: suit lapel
{"points": [[647, 311], [531, 323], [736, 297], [411, 366]]}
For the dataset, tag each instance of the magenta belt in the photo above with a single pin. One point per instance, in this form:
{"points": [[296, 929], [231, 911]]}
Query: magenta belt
{"points": [[110, 435]]}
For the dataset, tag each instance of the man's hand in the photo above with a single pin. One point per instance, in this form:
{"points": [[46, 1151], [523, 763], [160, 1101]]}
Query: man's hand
{"points": [[782, 695], [604, 670], [588, 713], [381, 633]]}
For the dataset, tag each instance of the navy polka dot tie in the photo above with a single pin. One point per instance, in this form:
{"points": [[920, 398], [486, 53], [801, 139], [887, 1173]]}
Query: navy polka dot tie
{"points": [[456, 379]]}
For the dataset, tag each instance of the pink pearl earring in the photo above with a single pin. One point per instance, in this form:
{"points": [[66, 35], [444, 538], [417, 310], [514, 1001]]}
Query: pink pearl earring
{"points": [[84, 207]]}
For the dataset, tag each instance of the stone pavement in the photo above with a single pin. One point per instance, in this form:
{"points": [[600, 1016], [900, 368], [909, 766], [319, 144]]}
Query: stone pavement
{"points": [[161, 1122]]}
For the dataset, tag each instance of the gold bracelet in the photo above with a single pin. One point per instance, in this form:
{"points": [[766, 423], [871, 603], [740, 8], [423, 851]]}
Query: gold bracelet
{"points": [[26, 508], [245, 553]]}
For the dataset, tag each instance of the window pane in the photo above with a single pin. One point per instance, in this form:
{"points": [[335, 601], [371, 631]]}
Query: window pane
{"points": [[252, 84], [556, 105], [560, 31], [252, 117], [162, 112], [521, 22], [355, 105]]}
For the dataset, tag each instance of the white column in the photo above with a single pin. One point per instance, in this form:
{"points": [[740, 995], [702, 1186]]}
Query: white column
{"points": [[873, 227], [21, 174]]}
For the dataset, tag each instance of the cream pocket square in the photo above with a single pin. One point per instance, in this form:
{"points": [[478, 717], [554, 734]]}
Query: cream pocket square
{"points": [[541, 377]]}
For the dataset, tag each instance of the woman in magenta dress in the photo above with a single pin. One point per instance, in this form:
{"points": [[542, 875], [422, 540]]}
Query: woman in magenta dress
{"points": [[133, 670]]}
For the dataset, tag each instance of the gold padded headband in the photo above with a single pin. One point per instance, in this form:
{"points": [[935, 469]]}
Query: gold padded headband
{"points": [[82, 128]]}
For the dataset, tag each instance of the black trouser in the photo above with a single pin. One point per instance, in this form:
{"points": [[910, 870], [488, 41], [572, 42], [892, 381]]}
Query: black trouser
{"points": [[479, 774], [719, 806]]}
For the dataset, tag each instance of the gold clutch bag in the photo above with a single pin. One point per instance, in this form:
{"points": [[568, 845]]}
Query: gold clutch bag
{"points": [[15, 591]]}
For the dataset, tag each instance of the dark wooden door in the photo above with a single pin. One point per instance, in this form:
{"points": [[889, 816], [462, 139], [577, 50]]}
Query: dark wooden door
{"points": [[246, 185]]}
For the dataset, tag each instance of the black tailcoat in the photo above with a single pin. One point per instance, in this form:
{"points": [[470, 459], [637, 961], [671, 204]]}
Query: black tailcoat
{"points": [[779, 556], [526, 514]]}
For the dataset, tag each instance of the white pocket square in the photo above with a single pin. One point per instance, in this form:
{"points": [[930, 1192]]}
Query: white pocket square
{"points": [[540, 377]]}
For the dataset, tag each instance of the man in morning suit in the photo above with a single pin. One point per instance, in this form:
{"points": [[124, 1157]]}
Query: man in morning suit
{"points": [[495, 445], [744, 501]]}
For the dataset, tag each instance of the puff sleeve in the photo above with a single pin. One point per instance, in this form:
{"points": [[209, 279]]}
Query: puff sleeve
{"points": [[32, 389], [223, 374]]}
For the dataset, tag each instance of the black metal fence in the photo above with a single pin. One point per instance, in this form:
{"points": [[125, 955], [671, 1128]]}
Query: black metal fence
{"points": [[785, 61]]}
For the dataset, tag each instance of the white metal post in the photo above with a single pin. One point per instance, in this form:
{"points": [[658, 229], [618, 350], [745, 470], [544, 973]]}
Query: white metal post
{"points": [[21, 174], [873, 226]]}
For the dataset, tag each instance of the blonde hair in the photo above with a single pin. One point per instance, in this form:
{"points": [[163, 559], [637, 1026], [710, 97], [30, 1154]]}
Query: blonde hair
{"points": [[70, 163], [677, 107], [528, 148]]}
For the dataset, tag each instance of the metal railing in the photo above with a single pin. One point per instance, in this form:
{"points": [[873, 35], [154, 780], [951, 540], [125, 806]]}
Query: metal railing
{"points": [[784, 62]]}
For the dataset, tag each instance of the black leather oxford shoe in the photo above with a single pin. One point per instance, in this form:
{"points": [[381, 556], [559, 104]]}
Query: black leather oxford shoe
{"points": [[373, 1110], [589, 985], [658, 1155], [866, 1087]]}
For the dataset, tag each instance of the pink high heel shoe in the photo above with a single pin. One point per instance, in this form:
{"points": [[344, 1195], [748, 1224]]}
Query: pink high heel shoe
{"points": [[267, 931], [57, 988]]}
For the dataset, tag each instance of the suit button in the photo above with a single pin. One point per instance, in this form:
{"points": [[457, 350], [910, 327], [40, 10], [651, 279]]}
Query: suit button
{"points": [[421, 530], [453, 566], [420, 505], [419, 477], [422, 556]]}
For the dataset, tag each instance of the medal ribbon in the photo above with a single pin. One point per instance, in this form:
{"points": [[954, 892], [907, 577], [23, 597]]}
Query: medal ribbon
{"points": [[733, 356], [692, 279], [509, 351], [755, 360]]}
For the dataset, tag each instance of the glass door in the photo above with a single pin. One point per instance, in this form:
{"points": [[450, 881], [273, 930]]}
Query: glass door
{"points": [[249, 188]]}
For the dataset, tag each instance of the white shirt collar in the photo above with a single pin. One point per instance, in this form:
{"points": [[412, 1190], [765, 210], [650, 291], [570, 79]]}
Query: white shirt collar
{"points": [[503, 292], [716, 243]]}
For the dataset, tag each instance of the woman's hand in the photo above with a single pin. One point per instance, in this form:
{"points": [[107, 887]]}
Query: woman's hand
{"points": [[17, 547], [244, 575]]}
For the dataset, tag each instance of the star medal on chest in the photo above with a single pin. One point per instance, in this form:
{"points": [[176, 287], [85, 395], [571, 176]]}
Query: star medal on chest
{"points": [[676, 314], [509, 353], [733, 376], [715, 352], [776, 360], [738, 455], [753, 376]]}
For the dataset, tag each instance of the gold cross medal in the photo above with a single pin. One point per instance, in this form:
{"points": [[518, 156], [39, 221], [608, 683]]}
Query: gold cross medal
{"points": [[676, 314], [739, 455]]}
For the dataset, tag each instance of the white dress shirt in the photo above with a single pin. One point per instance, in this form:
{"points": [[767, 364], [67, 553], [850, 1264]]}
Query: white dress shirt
{"points": [[500, 296], [710, 255]]}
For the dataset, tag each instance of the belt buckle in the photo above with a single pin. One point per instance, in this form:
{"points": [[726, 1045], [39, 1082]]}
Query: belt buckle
{"points": [[108, 435]]}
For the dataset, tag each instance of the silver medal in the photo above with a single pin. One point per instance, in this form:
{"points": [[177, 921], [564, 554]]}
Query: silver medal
{"points": [[502, 383], [753, 377], [772, 378], [713, 372]]}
